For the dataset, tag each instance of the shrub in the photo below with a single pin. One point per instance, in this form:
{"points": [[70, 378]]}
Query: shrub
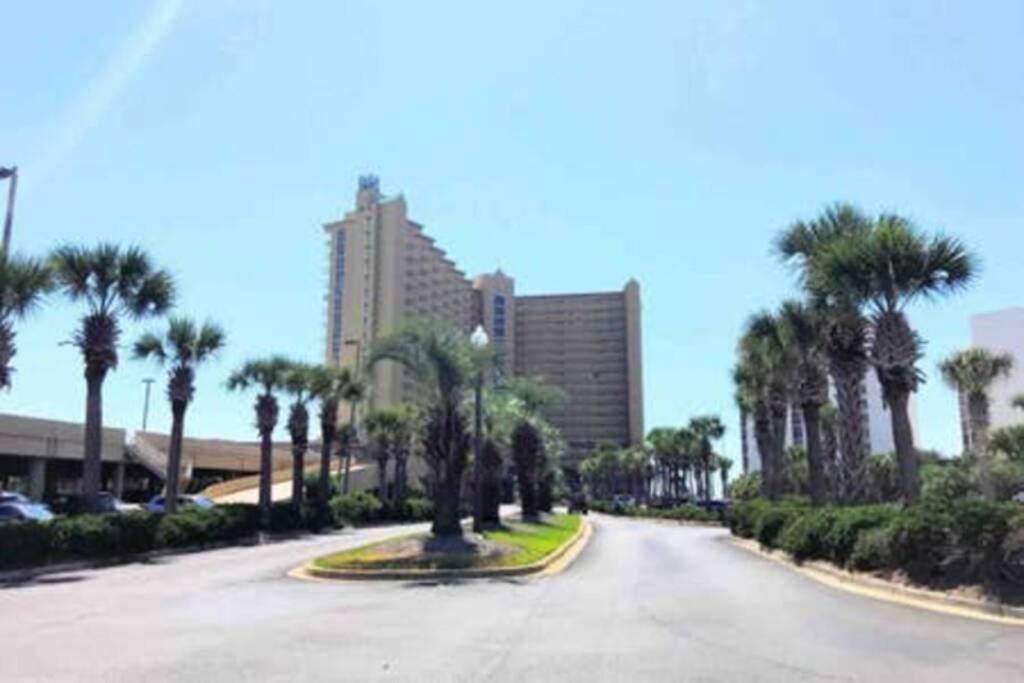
{"points": [[849, 524], [772, 521], [872, 550], [979, 530], [85, 536], [919, 540], [136, 531], [356, 508], [417, 509], [1012, 550], [24, 544], [941, 484], [805, 538], [742, 517], [746, 486]]}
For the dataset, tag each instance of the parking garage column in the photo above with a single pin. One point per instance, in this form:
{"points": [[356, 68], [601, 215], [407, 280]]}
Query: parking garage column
{"points": [[36, 478]]}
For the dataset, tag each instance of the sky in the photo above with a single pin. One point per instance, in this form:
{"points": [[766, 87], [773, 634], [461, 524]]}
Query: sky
{"points": [[573, 144]]}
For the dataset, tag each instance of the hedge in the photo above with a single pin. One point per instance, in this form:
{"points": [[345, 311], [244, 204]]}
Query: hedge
{"points": [[112, 536], [685, 513], [955, 543]]}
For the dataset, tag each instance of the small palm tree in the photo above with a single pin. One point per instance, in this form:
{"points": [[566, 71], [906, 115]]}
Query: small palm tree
{"points": [[971, 372], [882, 271], [23, 283], [390, 430], [114, 283], [446, 364], [328, 384], [664, 444], [354, 393], [707, 428], [724, 465], [183, 347], [267, 375], [298, 382]]}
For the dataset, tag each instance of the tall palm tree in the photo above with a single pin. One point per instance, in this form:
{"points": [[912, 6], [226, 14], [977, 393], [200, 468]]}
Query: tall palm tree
{"points": [[114, 283], [883, 271], [802, 332], [267, 375], [828, 418], [845, 334], [664, 443], [23, 283], [328, 384], [707, 428], [446, 364], [354, 393], [531, 395], [298, 382], [183, 347], [971, 372]]}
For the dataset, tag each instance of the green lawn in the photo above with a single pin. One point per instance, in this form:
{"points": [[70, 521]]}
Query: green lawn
{"points": [[526, 543]]}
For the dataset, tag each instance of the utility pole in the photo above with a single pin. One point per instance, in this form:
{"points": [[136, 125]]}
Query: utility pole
{"points": [[145, 406], [10, 174]]}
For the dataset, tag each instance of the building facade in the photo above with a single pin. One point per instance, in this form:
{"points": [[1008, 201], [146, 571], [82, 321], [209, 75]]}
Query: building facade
{"points": [[1002, 332], [384, 268], [877, 425]]}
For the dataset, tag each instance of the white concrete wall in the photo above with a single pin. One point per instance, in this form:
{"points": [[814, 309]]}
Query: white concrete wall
{"points": [[1003, 331]]}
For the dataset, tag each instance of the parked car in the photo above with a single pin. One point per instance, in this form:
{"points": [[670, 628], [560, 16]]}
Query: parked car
{"points": [[106, 503], [157, 503], [13, 497], [578, 503], [24, 512], [717, 506], [621, 502]]}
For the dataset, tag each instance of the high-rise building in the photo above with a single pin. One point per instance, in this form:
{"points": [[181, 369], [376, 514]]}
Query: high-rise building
{"points": [[384, 268], [877, 425], [1002, 332]]}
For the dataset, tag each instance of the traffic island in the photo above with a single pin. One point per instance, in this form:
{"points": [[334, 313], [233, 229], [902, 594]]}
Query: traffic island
{"points": [[517, 548]]}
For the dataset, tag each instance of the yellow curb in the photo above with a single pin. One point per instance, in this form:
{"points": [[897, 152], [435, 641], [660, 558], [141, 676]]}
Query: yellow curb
{"points": [[540, 568], [894, 593]]}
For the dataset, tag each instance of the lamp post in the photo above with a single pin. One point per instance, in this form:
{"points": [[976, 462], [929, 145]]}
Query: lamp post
{"points": [[479, 340], [145, 404], [12, 188]]}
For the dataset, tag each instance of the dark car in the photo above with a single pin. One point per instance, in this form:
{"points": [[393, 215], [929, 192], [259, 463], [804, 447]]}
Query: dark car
{"points": [[157, 503], [106, 503], [578, 503]]}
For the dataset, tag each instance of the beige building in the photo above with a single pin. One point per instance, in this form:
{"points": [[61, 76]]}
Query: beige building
{"points": [[383, 268]]}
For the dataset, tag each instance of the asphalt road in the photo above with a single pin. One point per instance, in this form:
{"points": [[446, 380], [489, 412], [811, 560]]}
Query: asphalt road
{"points": [[644, 601]]}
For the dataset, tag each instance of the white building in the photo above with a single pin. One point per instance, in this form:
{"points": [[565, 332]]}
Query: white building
{"points": [[1001, 331], [876, 414]]}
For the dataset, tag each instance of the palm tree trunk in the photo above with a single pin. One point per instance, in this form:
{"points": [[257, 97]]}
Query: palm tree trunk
{"points": [[903, 436], [348, 446], [266, 463], [324, 485], [815, 461], [852, 440], [92, 459], [978, 414], [765, 447], [707, 480], [298, 473], [174, 456], [401, 478], [382, 477]]}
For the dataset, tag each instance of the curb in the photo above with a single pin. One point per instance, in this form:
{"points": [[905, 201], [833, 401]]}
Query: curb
{"points": [[547, 566], [888, 591]]}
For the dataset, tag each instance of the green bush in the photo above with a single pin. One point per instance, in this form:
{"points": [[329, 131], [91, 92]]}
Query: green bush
{"points": [[24, 544], [742, 517], [919, 540], [85, 536], [979, 530], [1012, 550], [849, 524], [746, 486], [941, 484], [772, 520], [805, 538], [416, 509], [356, 508], [872, 550]]}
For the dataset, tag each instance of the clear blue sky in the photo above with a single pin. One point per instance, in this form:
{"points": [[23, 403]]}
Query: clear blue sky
{"points": [[575, 144]]}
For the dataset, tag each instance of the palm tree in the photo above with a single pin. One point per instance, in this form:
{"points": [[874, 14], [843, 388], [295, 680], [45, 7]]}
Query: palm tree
{"points": [[845, 335], [664, 443], [267, 375], [801, 328], [883, 270], [114, 283], [724, 465], [183, 347], [23, 282], [390, 430], [971, 372], [298, 382], [328, 385], [828, 418], [707, 428], [354, 393], [446, 364], [531, 395]]}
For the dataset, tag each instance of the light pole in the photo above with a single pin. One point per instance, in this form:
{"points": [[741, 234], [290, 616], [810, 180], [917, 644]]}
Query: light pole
{"points": [[145, 405], [12, 188], [479, 340]]}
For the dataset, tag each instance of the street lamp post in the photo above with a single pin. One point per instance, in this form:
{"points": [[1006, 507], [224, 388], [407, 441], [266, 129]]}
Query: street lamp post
{"points": [[145, 404], [479, 340], [10, 174]]}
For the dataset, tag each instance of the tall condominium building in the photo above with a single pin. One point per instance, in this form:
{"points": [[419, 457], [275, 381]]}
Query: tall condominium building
{"points": [[999, 331], [383, 268], [877, 425]]}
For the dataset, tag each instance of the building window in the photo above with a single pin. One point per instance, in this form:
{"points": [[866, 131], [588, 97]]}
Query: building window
{"points": [[337, 294]]}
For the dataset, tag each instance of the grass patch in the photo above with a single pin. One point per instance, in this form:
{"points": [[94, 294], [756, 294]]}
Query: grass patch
{"points": [[514, 545]]}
